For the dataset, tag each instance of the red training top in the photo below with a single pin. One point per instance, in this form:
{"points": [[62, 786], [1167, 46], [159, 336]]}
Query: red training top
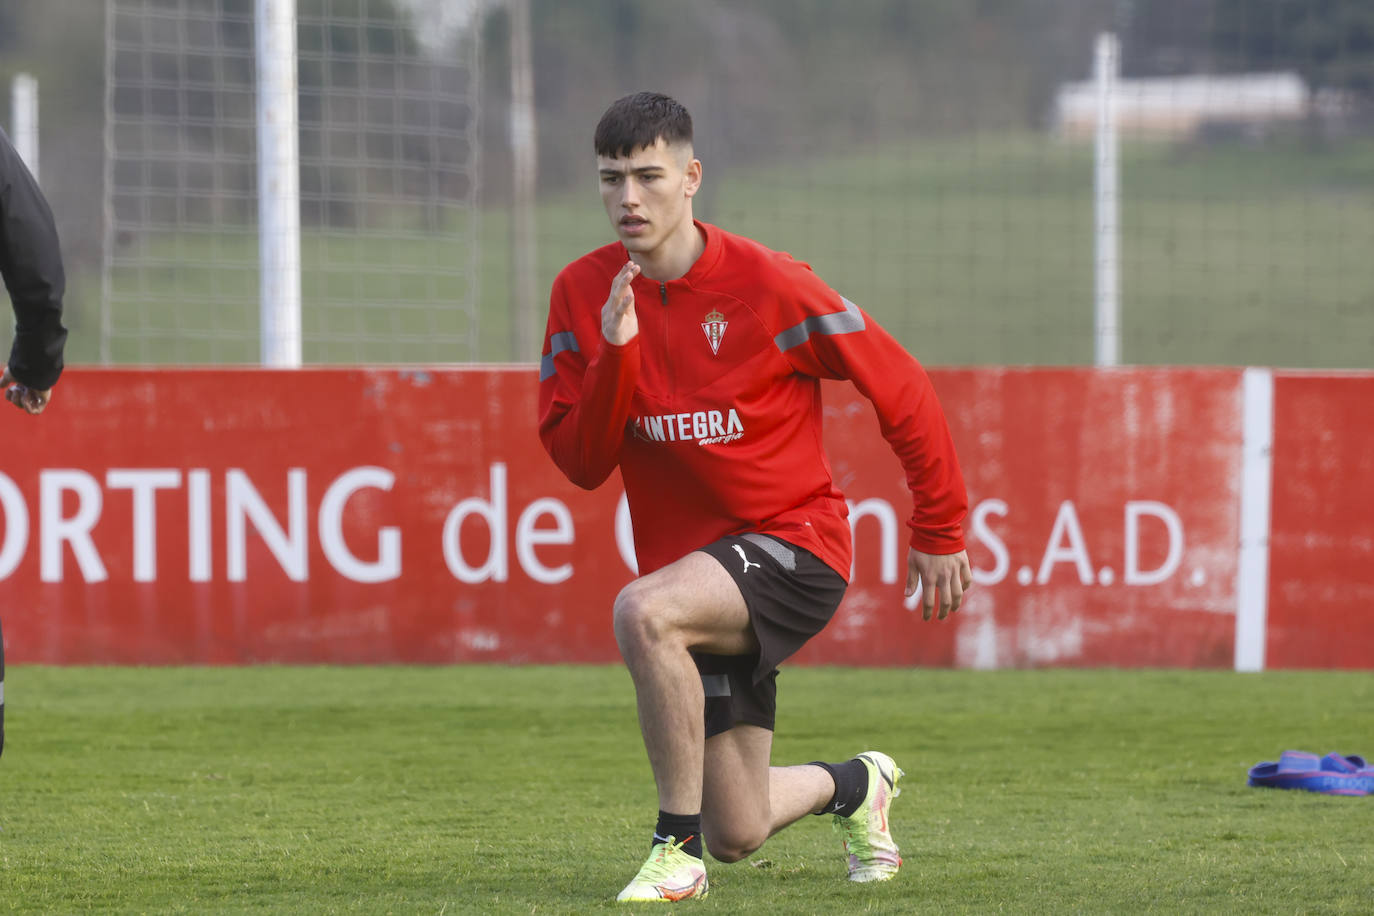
{"points": [[713, 411]]}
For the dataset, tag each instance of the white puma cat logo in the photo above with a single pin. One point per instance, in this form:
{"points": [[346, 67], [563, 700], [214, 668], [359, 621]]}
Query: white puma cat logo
{"points": [[740, 550]]}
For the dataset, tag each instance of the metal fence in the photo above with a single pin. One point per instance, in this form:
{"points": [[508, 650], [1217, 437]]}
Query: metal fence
{"points": [[388, 177], [932, 159]]}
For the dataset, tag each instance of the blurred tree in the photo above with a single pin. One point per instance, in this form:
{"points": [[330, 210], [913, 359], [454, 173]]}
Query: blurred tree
{"points": [[1329, 42], [1166, 37], [800, 76]]}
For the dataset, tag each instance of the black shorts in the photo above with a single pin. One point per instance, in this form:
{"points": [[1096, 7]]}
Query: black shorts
{"points": [[791, 596]]}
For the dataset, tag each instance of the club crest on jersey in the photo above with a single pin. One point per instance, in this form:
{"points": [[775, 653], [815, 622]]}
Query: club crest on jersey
{"points": [[714, 325]]}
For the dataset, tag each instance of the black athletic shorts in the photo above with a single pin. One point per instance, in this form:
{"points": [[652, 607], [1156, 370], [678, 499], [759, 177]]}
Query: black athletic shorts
{"points": [[791, 596]]}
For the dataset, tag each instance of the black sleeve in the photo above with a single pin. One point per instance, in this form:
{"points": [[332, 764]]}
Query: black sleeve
{"points": [[31, 263]]}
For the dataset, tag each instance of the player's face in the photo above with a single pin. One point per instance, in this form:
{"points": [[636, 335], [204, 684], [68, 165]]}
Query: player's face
{"points": [[648, 193]]}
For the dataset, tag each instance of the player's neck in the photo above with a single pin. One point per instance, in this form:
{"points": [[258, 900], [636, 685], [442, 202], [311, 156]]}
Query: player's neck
{"points": [[675, 256]]}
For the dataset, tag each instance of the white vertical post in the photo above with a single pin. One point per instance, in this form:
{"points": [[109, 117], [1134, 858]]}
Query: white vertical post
{"points": [[24, 111], [1256, 482], [1107, 324], [279, 212], [524, 167], [107, 189]]}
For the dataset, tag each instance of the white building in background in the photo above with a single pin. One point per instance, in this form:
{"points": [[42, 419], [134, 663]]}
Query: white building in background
{"points": [[1176, 106]]}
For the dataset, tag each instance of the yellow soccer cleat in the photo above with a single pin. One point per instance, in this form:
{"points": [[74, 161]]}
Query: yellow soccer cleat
{"points": [[668, 875], [873, 855]]}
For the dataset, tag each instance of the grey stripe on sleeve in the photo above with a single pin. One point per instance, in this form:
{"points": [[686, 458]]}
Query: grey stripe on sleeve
{"points": [[846, 322], [563, 340]]}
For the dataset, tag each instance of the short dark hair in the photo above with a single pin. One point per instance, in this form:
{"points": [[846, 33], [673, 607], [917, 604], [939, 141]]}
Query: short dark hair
{"points": [[640, 120]]}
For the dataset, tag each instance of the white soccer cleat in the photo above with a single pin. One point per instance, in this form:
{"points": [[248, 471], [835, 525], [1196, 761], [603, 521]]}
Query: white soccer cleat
{"points": [[873, 855]]}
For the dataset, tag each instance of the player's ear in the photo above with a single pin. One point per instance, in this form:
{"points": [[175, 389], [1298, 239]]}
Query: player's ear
{"points": [[692, 180]]}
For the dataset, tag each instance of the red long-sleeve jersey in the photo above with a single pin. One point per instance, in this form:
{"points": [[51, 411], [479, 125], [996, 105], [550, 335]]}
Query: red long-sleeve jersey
{"points": [[713, 411]]}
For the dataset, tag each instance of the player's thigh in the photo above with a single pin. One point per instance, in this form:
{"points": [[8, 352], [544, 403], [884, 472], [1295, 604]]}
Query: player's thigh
{"points": [[735, 813], [697, 599]]}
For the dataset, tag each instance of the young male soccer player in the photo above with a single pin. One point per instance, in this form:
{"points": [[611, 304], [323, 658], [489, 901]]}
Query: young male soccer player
{"points": [[698, 375], [31, 264]]}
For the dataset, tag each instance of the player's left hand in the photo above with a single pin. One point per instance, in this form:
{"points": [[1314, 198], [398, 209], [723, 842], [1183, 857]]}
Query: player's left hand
{"points": [[941, 577], [30, 400]]}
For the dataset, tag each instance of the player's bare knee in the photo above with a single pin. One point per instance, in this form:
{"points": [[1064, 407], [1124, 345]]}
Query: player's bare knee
{"points": [[636, 624], [734, 845]]}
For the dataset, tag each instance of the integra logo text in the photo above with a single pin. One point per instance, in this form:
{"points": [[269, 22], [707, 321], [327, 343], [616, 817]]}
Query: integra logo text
{"points": [[707, 427]]}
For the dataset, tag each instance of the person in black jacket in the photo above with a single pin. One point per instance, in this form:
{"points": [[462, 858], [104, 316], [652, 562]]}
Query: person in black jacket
{"points": [[31, 264]]}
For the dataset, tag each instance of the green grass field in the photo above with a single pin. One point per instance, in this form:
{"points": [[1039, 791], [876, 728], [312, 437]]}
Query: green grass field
{"points": [[975, 250], [525, 790]]}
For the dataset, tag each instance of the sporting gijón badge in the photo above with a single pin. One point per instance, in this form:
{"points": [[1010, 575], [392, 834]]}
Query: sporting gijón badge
{"points": [[714, 325]]}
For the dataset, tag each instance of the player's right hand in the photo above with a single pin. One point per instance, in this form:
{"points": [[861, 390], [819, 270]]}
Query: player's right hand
{"points": [[619, 323]]}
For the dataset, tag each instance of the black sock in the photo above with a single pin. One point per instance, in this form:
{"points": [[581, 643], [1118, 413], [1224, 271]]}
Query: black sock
{"points": [[851, 785], [683, 828]]}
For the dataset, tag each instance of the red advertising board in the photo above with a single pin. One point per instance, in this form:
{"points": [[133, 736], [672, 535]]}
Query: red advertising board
{"points": [[237, 516], [1102, 529], [1321, 546], [351, 515]]}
